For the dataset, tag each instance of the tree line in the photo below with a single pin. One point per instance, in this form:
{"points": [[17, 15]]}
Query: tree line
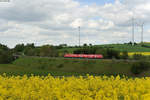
{"points": [[106, 52], [8, 55]]}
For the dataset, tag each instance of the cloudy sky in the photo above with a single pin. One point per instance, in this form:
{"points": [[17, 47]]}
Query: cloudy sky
{"points": [[56, 21]]}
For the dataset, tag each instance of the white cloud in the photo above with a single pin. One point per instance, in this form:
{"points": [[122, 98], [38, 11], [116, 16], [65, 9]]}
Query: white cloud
{"points": [[93, 24], [77, 22], [56, 21]]}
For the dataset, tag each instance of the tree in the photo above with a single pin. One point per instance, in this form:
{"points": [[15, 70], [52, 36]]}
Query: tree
{"points": [[111, 53], [124, 55], [85, 50], [102, 51], [48, 51], [63, 45], [62, 53], [85, 45], [19, 48], [29, 51], [130, 43], [6, 57], [90, 44], [140, 66], [4, 47], [30, 45]]}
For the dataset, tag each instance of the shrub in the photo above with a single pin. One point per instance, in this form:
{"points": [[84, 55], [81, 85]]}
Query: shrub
{"points": [[42, 67], [48, 51], [113, 54], [139, 67], [146, 46], [60, 66], [138, 56], [6, 57], [19, 48], [124, 55], [102, 51]]}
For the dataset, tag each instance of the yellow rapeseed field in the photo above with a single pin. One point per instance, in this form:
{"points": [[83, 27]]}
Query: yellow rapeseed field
{"points": [[143, 53], [73, 88]]}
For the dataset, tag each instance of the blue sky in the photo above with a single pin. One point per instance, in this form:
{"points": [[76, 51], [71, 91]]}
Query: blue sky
{"points": [[99, 2]]}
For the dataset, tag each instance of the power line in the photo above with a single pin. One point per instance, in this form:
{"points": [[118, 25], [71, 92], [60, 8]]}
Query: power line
{"points": [[133, 31], [141, 25], [79, 35], [142, 28]]}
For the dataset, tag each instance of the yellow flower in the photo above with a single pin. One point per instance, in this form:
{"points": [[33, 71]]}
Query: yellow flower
{"points": [[73, 88]]}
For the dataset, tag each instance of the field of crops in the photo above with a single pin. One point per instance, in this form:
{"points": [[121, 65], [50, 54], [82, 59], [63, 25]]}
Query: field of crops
{"points": [[142, 53], [73, 88]]}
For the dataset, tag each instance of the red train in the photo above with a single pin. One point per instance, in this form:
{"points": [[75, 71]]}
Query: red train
{"points": [[89, 56]]}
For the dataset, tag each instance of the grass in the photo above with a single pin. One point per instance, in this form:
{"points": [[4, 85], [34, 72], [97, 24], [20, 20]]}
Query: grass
{"points": [[119, 47], [65, 67], [12, 69], [126, 47], [70, 50], [75, 65]]}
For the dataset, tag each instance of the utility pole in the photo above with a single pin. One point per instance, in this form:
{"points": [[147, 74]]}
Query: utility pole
{"points": [[142, 28], [79, 36], [133, 31]]}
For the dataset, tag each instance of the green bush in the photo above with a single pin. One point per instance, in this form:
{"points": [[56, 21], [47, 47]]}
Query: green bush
{"points": [[139, 67], [6, 57], [107, 53], [111, 53], [60, 66], [103, 52], [41, 66], [85, 50], [19, 48], [138, 57], [124, 55]]}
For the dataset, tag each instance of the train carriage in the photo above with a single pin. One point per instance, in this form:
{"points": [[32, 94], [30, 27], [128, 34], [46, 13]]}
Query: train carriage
{"points": [[89, 56]]}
